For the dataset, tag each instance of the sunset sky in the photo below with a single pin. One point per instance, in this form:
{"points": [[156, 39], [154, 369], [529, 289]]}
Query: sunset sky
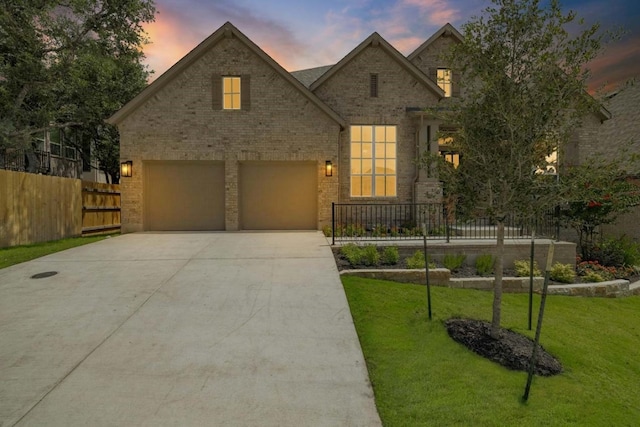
{"points": [[301, 34]]}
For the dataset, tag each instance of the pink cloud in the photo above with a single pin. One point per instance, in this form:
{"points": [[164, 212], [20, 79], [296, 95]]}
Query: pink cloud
{"points": [[176, 32], [618, 63], [170, 40], [437, 12]]}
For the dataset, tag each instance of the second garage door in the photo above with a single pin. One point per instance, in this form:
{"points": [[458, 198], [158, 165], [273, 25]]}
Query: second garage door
{"points": [[278, 195], [184, 195]]}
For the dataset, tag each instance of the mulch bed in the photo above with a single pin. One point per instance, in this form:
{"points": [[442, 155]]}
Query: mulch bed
{"points": [[511, 350]]}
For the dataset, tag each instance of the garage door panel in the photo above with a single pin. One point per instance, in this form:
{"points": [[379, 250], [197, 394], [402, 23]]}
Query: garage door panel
{"points": [[184, 196], [278, 195]]}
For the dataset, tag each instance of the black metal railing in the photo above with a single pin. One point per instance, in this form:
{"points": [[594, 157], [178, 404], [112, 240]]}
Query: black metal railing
{"points": [[35, 161], [410, 221]]}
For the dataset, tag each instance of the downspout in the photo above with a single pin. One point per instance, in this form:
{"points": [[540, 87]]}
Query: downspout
{"points": [[417, 165], [339, 163], [340, 167]]}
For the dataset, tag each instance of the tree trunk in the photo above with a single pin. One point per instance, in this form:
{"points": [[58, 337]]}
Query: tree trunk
{"points": [[497, 287]]}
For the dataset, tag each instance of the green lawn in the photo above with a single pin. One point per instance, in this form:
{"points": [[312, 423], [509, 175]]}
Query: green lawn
{"points": [[422, 377], [18, 254]]}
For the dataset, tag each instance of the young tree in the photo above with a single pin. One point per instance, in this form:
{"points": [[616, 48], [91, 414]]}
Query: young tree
{"points": [[525, 77], [67, 63]]}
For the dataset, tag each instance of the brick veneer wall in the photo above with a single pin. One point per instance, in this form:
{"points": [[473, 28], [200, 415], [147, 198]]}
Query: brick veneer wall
{"points": [[624, 126], [179, 123], [607, 139], [347, 93], [616, 134]]}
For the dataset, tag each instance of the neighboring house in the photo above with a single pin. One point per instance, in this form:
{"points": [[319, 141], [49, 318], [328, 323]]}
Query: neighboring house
{"points": [[54, 153], [227, 139], [621, 132]]}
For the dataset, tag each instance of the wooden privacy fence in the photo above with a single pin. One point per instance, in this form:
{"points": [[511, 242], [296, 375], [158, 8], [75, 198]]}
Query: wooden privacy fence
{"points": [[100, 208], [39, 208]]}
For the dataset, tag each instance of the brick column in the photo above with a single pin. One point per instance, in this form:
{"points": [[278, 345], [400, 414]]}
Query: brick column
{"points": [[231, 213]]}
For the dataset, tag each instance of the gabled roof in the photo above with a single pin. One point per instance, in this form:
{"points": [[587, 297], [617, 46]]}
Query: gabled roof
{"points": [[447, 30], [377, 41], [310, 75], [226, 31]]}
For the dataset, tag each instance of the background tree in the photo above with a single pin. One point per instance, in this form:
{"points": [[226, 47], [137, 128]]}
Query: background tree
{"points": [[68, 63], [525, 77]]}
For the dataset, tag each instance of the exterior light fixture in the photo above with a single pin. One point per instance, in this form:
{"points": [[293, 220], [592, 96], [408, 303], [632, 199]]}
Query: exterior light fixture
{"points": [[126, 168], [328, 168]]}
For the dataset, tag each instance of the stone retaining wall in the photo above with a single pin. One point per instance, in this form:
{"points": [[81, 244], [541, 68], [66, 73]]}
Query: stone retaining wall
{"points": [[442, 277]]}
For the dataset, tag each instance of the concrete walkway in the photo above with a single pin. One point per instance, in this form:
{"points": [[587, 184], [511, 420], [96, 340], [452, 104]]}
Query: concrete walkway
{"points": [[200, 329]]}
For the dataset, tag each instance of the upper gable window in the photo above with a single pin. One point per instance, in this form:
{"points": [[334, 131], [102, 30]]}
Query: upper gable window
{"points": [[231, 93], [444, 80]]}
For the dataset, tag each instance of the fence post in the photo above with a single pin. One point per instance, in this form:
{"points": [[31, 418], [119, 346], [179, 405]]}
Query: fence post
{"points": [[446, 222], [333, 223], [557, 222]]}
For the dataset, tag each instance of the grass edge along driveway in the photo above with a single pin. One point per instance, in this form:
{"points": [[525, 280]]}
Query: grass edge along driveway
{"points": [[422, 377], [17, 254]]}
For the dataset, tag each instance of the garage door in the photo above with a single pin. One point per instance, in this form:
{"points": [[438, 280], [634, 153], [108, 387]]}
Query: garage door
{"points": [[184, 196], [278, 195]]}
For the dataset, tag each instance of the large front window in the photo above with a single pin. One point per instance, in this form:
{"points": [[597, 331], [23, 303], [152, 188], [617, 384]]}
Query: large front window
{"points": [[373, 161]]}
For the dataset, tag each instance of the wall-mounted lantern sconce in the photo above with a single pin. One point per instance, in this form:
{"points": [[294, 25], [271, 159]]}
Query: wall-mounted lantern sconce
{"points": [[328, 168], [126, 168]]}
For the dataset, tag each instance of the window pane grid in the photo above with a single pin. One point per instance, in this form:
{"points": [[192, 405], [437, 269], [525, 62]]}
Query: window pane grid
{"points": [[231, 93], [444, 81], [373, 161]]}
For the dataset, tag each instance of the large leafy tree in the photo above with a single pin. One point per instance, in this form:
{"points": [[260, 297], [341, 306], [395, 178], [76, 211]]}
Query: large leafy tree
{"points": [[524, 69], [68, 63]]}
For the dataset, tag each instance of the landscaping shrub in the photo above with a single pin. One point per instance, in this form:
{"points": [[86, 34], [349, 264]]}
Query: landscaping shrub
{"points": [[453, 262], [484, 264], [618, 252], [592, 277], [564, 273], [390, 255], [606, 272], [379, 230], [584, 268], [610, 253], [523, 268], [352, 253], [631, 250], [370, 255], [437, 231], [353, 230], [417, 261], [326, 230]]}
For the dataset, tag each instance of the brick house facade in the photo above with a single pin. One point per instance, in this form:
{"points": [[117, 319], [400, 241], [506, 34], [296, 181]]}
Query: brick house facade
{"points": [[227, 139], [199, 165]]}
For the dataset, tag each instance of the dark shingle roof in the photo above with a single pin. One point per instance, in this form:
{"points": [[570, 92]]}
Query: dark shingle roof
{"points": [[310, 75]]}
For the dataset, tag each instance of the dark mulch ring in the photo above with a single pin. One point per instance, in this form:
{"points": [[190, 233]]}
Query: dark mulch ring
{"points": [[511, 350]]}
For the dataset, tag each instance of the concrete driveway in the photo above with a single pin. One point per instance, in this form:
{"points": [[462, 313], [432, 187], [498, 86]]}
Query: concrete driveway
{"points": [[206, 329]]}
